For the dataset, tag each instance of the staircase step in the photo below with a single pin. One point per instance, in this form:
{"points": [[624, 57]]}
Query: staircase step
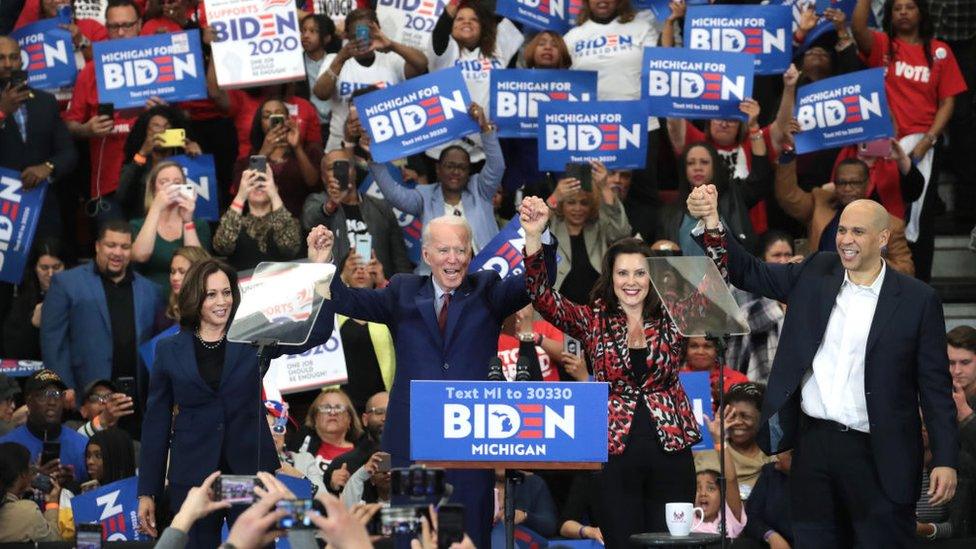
{"points": [[959, 314]]}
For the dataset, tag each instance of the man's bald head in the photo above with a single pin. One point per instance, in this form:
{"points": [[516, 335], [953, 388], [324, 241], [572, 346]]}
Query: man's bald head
{"points": [[862, 233], [9, 56]]}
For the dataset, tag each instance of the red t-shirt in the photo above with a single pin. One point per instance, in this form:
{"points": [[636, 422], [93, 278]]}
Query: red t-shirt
{"points": [[914, 89], [32, 10], [106, 152], [160, 25], [757, 214], [243, 106], [329, 452], [508, 348]]}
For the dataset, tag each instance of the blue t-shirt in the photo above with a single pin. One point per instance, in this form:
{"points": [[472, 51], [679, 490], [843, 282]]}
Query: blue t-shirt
{"points": [[72, 447]]}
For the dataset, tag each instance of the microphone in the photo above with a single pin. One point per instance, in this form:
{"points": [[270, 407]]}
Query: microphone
{"points": [[522, 369], [495, 369]]}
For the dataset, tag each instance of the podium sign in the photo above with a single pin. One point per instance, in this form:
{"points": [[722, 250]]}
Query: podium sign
{"points": [[508, 421]]}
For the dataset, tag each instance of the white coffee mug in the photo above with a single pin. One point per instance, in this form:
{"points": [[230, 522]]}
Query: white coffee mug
{"points": [[679, 517]]}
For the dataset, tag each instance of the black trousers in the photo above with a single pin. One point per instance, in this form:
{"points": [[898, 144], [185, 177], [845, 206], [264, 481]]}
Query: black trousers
{"points": [[638, 483], [836, 495]]}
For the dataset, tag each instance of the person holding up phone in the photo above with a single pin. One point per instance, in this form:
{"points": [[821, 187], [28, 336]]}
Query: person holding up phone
{"points": [[277, 137], [588, 219], [266, 231], [168, 225], [20, 519]]}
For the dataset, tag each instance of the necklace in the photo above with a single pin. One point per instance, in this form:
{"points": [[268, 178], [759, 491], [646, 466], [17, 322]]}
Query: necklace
{"points": [[207, 345]]}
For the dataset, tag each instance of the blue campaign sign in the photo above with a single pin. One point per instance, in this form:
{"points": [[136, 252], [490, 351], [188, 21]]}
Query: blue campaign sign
{"points": [[684, 83], [147, 351], [508, 421], [115, 506], [613, 132], [846, 109], [47, 53], [503, 254], [169, 66], [699, 391], [554, 15], [201, 172], [662, 8], [516, 94], [19, 368], [19, 212], [416, 115], [764, 31], [409, 224]]}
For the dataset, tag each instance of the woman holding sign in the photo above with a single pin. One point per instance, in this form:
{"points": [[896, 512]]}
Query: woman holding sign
{"points": [[636, 347], [921, 80], [216, 386]]}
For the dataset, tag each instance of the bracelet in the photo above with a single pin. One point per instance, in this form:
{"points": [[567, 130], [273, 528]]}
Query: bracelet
{"points": [[51, 505], [581, 536], [191, 226], [237, 205], [139, 159], [933, 139], [935, 532]]}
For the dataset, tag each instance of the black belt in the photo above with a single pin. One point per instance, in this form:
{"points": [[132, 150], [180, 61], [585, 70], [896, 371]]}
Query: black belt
{"points": [[830, 425]]}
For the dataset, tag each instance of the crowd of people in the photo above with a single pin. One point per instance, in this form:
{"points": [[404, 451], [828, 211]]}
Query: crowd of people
{"points": [[826, 253]]}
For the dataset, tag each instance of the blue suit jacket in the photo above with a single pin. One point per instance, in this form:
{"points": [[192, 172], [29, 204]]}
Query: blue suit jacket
{"points": [[76, 331], [905, 363], [406, 305], [228, 423]]}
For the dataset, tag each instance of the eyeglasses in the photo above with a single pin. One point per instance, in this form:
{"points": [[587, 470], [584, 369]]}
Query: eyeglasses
{"points": [[851, 183], [332, 410], [376, 411], [52, 394], [119, 26], [455, 167], [99, 398]]}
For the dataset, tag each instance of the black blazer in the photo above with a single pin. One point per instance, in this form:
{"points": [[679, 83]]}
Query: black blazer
{"points": [[48, 139], [905, 364]]}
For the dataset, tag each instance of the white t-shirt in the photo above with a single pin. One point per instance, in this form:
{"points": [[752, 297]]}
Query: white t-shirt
{"points": [[615, 51], [476, 69], [386, 70]]}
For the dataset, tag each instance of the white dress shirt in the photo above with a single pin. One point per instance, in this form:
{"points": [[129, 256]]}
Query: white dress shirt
{"points": [[834, 388]]}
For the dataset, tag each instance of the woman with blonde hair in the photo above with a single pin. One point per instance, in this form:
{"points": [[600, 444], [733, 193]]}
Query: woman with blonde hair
{"points": [[183, 258]]}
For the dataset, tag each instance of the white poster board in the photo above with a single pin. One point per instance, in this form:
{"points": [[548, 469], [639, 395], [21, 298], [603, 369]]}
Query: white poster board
{"points": [[318, 367], [90, 9], [258, 42], [409, 21]]}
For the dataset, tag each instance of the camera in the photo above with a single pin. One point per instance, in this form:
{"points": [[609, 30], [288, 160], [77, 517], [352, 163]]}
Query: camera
{"points": [[236, 489], [299, 513]]}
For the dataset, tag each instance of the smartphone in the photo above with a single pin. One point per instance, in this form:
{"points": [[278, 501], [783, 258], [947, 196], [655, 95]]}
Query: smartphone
{"points": [[126, 386], [89, 485], [175, 137], [42, 483], [89, 536], [236, 489], [582, 172], [340, 170], [299, 511], [188, 190], [386, 463], [276, 120], [572, 346], [362, 35], [364, 247], [450, 525], [50, 451], [106, 109], [879, 148], [258, 163]]}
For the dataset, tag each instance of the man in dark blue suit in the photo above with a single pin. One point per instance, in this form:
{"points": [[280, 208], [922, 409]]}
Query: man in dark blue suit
{"points": [[862, 347], [445, 326]]}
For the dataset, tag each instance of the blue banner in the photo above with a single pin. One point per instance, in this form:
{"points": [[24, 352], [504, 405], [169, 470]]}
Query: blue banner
{"points": [[661, 8], [115, 506], [19, 213], [699, 391], [764, 31], [508, 421], [516, 94], [409, 224], [169, 66], [613, 132], [416, 115], [554, 15], [685, 83], [147, 351], [47, 53], [503, 254], [846, 109], [201, 172], [20, 368]]}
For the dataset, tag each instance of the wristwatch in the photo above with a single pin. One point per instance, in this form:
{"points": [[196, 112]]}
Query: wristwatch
{"points": [[50, 166]]}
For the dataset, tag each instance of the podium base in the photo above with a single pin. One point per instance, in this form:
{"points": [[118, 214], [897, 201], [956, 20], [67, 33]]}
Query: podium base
{"points": [[693, 540]]}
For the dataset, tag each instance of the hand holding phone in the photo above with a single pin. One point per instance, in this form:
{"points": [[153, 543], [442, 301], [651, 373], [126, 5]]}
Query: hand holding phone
{"points": [[173, 138], [581, 172], [258, 163], [364, 247], [340, 170], [572, 346]]}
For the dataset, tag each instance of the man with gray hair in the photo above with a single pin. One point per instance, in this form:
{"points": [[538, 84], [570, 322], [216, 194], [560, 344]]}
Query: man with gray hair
{"points": [[445, 326]]}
